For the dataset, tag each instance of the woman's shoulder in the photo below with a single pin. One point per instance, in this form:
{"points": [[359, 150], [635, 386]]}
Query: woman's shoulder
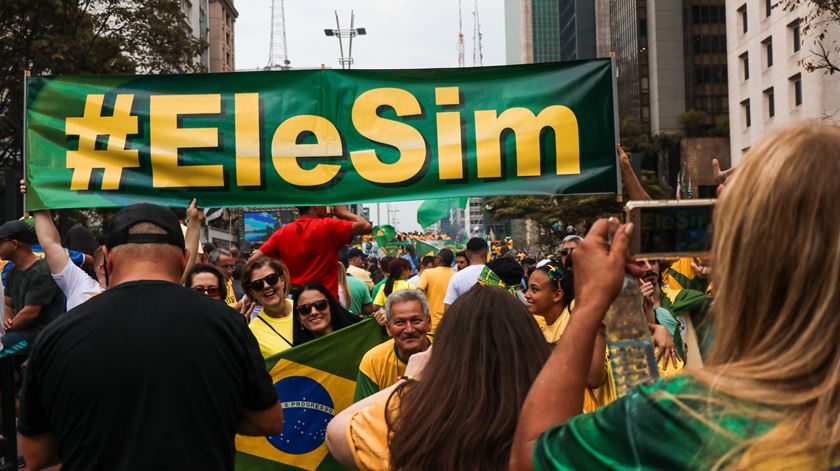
{"points": [[670, 424]]}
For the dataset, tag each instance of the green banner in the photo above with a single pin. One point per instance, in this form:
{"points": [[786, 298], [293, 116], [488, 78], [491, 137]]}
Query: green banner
{"points": [[320, 136]]}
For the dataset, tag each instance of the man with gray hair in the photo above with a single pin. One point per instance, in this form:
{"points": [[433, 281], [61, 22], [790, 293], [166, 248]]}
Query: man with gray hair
{"points": [[407, 321], [224, 261]]}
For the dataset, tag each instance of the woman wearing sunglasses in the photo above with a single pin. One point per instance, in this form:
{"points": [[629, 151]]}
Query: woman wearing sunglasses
{"points": [[266, 281], [206, 279], [317, 313]]}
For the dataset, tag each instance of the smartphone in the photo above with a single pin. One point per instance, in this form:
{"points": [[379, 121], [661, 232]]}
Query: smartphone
{"points": [[670, 229]]}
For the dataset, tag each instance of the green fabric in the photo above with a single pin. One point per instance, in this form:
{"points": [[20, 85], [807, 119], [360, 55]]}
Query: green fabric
{"points": [[378, 285], [424, 248], [331, 352], [329, 361], [384, 234], [644, 431], [359, 295], [376, 135], [432, 211], [698, 283], [364, 387], [695, 304]]}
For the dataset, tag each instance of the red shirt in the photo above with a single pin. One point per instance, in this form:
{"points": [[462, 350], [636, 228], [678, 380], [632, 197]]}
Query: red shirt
{"points": [[309, 248]]}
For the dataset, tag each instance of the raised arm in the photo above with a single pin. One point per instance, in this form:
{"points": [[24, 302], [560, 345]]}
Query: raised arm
{"points": [[361, 226], [557, 394], [191, 239], [628, 176], [50, 241]]}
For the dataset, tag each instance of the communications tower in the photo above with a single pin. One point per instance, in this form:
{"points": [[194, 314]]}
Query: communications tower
{"points": [[278, 54]]}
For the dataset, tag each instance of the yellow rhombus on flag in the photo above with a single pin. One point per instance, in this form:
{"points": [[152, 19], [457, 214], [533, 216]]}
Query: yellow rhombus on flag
{"points": [[314, 381]]}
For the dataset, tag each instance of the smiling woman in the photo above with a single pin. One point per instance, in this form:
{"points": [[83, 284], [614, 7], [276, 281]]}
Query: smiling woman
{"points": [[266, 281], [317, 313]]}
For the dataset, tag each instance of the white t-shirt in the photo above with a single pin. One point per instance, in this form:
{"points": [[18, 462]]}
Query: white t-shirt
{"points": [[462, 282], [76, 285], [414, 280]]}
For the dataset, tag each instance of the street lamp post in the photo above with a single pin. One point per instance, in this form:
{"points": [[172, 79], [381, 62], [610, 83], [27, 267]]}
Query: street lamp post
{"points": [[345, 33]]}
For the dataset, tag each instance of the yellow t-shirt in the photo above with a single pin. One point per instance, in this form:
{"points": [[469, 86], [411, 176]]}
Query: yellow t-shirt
{"points": [[380, 297], [367, 435], [434, 282], [380, 367], [592, 398], [270, 341], [361, 274], [553, 332]]}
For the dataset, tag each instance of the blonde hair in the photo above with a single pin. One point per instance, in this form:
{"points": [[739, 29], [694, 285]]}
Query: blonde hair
{"points": [[777, 277]]}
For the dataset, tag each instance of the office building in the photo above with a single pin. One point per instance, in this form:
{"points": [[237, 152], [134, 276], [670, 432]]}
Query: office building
{"points": [[221, 47], [769, 87], [555, 30], [198, 18]]}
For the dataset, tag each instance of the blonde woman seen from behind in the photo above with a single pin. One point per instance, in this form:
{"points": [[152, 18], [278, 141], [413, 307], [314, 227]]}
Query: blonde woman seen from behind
{"points": [[769, 395]]}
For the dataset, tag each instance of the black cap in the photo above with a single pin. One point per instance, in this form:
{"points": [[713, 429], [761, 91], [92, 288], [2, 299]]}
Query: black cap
{"points": [[354, 252], [145, 212], [18, 230]]}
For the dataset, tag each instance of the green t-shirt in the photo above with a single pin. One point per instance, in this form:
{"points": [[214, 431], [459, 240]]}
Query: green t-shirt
{"points": [[359, 295], [378, 285], [645, 430]]}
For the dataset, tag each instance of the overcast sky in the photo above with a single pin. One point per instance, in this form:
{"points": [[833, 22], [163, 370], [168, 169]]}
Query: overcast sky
{"points": [[401, 34]]}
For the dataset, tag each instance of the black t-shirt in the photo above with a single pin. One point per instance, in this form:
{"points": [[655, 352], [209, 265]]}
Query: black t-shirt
{"points": [[147, 375], [35, 287]]}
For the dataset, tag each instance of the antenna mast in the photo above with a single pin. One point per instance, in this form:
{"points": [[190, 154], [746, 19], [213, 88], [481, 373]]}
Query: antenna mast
{"points": [[278, 55], [460, 37], [477, 50]]}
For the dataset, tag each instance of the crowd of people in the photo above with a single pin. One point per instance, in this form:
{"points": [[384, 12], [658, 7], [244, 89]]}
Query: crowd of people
{"points": [[491, 363]]}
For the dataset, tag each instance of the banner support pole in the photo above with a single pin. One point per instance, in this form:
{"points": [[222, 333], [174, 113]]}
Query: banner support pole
{"points": [[23, 130], [617, 136]]}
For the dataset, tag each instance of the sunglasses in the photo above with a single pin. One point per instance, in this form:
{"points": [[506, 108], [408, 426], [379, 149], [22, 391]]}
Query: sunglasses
{"points": [[566, 252], [306, 309], [208, 290], [270, 280]]}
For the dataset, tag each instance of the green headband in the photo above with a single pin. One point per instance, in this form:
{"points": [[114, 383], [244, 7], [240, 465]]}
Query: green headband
{"points": [[489, 278]]}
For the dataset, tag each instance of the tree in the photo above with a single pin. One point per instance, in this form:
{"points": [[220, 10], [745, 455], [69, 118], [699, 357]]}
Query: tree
{"points": [[70, 37], [820, 17], [692, 123]]}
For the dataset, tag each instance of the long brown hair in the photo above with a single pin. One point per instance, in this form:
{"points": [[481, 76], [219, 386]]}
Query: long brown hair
{"points": [[776, 319], [488, 350], [395, 271]]}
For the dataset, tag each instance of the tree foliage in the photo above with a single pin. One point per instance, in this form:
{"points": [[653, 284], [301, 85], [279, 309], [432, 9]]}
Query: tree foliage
{"points": [[819, 19], [70, 37]]}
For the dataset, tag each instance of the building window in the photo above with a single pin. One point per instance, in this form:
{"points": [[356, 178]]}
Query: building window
{"points": [[768, 7], [770, 102], [742, 16], [745, 65], [768, 51], [796, 35], [746, 119], [796, 85]]}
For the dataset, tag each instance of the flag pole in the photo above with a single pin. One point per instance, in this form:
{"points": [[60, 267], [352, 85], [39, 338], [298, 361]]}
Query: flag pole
{"points": [[23, 130]]}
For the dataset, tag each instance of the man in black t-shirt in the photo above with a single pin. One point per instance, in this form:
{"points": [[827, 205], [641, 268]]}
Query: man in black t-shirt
{"points": [[148, 374], [31, 296]]}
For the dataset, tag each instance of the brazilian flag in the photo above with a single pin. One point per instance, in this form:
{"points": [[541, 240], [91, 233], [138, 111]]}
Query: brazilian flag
{"points": [[432, 211], [314, 381], [383, 234], [424, 248]]}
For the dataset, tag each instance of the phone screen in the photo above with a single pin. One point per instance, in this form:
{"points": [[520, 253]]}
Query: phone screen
{"points": [[675, 229]]}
